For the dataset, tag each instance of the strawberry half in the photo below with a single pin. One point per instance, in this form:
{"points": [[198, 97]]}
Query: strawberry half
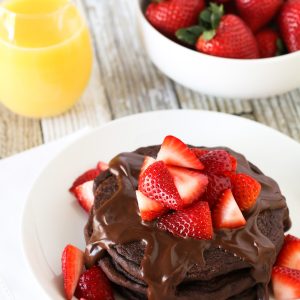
{"points": [[190, 184], [158, 184], [227, 213], [245, 190], [72, 265], [87, 176], [199, 152], [217, 162], [94, 285], [102, 166], [234, 163], [289, 255], [216, 186], [85, 195], [194, 221], [176, 153], [147, 162], [149, 209], [286, 283]]}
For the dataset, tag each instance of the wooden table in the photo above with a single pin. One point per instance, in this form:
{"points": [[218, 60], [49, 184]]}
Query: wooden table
{"points": [[125, 82]]}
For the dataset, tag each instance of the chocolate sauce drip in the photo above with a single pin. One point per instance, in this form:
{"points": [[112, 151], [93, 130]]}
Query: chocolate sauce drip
{"points": [[168, 258]]}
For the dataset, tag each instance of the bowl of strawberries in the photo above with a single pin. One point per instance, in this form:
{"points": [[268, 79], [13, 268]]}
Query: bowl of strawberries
{"points": [[228, 48]]}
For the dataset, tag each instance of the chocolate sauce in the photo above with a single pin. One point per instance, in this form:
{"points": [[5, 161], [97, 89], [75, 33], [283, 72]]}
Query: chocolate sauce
{"points": [[168, 258]]}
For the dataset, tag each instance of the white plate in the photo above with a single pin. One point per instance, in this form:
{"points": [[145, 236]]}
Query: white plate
{"points": [[52, 219]]}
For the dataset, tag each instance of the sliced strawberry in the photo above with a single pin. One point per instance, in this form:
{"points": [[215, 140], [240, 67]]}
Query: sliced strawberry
{"points": [[176, 153], [233, 163], [245, 190], [158, 184], [199, 152], [289, 255], [227, 213], [102, 166], [216, 186], [149, 209], [194, 221], [190, 184], [147, 162], [85, 195], [286, 283], [87, 176], [72, 265], [217, 162], [94, 285]]}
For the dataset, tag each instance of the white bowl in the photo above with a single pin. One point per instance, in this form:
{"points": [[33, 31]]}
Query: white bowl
{"points": [[233, 78]]}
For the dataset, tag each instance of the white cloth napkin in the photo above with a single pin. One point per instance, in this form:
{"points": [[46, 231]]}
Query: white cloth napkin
{"points": [[17, 175]]}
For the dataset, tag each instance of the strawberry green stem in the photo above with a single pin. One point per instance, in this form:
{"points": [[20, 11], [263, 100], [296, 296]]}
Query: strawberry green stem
{"points": [[209, 20]]}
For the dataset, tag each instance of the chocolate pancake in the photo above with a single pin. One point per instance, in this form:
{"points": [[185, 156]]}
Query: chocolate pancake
{"points": [[146, 263]]}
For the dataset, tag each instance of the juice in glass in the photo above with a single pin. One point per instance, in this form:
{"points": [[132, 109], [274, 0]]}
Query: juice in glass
{"points": [[45, 56]]}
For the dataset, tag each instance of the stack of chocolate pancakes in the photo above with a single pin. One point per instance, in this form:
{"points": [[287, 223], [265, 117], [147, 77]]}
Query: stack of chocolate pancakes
{"points": [[146, 263]]}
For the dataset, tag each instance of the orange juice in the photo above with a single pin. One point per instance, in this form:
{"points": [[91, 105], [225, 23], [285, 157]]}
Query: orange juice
{"points": [[45, 56]]}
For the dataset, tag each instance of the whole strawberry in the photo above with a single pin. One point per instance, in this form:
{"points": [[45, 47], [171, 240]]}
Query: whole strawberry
{"points": [[289, 24], [257, 13], [228, 37], [269, 43], [167, 16]]}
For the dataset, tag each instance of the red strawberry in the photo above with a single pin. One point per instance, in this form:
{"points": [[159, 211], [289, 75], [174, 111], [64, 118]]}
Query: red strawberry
{"points": [[149, 209], [85, 195], [147, 162], [158, 184], [199, 152], [290, 238], [167, 16], [217, 162], [102, 166], [289, 255], [94, 285], [194, 221], [286, 283], [257, 13], [245, 190], [289, 24], [176, 153], [232, 38], [267, 41], [227, 213], [72, 265], [216, 186], [87, 176], [222, 1], [233, 163], [190, 184]]}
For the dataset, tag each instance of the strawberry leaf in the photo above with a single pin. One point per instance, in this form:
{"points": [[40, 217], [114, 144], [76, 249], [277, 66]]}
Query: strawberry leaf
{"points": [[281, 49], [205, 17], [209, 34], [189, 35]]}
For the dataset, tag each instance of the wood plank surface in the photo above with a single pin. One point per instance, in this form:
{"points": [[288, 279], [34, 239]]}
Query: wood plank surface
{"points": [[124, 82]]}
